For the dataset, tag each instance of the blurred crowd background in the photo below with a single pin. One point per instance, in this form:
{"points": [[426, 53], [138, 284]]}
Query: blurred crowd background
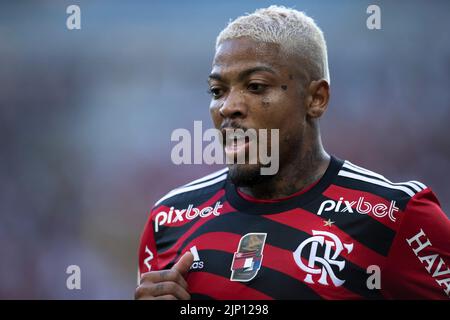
{"points": [[86, 118]]}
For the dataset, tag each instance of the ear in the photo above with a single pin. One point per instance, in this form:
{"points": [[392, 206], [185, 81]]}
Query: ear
{"points": [[317, 98]]}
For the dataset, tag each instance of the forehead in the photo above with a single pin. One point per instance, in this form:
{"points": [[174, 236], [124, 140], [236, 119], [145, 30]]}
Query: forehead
{"points": [[237, 53]]}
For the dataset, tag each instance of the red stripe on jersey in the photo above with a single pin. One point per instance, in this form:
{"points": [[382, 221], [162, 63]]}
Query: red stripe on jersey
{"points": [[335, 192], [147, 250], [306, 221], [273, 258], [205, 204], [212, 285], [164, 258], [419, 261]]}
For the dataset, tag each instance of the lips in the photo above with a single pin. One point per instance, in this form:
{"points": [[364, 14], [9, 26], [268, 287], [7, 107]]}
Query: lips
{"points": [[236, 146], [236, 141]]}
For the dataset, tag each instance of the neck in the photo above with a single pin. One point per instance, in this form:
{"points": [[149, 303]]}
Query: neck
{"points": [[308, 166]]}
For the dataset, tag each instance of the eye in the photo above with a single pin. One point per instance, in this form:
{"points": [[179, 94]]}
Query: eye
{"points": [[215, 92], [255, 87]]}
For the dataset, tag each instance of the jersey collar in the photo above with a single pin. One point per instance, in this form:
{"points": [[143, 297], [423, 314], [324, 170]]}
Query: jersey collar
{"points": [[296, 201]]}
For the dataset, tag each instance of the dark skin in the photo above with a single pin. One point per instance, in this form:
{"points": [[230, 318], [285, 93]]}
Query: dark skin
{"points": [[278, 93], [166, 284], [256, 85]]}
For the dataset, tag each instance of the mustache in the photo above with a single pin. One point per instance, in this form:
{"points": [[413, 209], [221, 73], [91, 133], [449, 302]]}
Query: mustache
{"points": [[232, 125]]}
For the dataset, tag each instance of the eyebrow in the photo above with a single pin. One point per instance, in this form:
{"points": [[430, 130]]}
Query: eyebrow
{"points": [[243, 74]]}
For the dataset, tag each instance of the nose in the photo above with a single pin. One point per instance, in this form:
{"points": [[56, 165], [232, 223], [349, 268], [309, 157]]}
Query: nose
{"points": [[234, 105]]}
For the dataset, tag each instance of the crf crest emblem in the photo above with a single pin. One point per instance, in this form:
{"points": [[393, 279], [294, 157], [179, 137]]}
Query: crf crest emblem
{"points": [[320, 264]]}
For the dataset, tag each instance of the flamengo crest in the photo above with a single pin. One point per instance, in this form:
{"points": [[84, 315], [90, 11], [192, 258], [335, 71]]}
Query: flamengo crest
{"points": [[321, 264]]}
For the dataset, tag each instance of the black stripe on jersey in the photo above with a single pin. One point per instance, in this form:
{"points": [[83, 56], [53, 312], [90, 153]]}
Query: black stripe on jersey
{"points": [[278, 235], [400, 197], [364, 229], [368, 175], [268, 281]]}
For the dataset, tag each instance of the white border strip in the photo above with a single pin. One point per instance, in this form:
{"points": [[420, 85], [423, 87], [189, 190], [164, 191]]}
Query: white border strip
{"points": [[190, 188], [374, 181], [351, 166], [420, 184], [209, 176]]}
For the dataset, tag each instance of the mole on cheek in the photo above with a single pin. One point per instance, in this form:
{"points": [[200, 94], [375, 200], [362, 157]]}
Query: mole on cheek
{"points": [[284, 87]]}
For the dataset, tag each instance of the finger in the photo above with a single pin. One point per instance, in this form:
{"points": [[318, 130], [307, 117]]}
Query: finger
{"points": [[174, 275], [166, 297], [162, 276], [185, 262], [152, 290], [174, 288]]}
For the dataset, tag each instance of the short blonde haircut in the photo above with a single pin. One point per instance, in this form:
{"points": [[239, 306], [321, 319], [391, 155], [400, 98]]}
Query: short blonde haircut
{"points": [[293, 30]]}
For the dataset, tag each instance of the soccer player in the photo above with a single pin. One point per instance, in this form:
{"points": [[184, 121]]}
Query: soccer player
{"points": [[321, 227]]}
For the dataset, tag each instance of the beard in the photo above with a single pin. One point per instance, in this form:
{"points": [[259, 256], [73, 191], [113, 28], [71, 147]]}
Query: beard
{"points": [[247, 175]]}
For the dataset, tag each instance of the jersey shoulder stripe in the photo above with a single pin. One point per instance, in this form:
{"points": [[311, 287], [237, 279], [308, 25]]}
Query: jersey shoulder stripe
{"points": [[415, 185], [202, 183], [208, 177], [352, 171]]}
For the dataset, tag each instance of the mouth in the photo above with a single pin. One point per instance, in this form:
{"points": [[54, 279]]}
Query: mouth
{"points": [[236, 142]]}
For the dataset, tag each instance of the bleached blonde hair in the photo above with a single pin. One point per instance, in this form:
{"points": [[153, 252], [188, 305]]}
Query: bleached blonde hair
{"points": [[293, 30]]}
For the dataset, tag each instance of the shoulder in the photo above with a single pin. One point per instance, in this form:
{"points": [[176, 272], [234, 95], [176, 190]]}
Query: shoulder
{"points": [[196, 191], [356, 177]]}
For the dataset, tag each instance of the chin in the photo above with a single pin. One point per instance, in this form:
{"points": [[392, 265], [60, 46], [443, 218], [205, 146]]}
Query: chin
{"points": [[246, 175]]}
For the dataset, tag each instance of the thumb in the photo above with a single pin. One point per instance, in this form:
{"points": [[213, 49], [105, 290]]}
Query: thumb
{"points": [[185, 262]]}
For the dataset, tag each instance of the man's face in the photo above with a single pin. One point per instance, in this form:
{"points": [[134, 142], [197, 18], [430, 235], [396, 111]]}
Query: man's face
{"points": [[254, 85]]}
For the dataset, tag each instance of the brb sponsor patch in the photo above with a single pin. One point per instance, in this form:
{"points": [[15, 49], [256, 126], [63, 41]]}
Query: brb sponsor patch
{"points": [[248, 258]]}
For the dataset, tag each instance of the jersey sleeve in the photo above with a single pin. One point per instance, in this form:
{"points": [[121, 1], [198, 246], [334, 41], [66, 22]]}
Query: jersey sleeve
{"points": [[148, 256], [419, 259]]}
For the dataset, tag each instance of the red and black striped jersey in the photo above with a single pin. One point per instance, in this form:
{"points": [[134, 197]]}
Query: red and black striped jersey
{"points": [[352, 235]]}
